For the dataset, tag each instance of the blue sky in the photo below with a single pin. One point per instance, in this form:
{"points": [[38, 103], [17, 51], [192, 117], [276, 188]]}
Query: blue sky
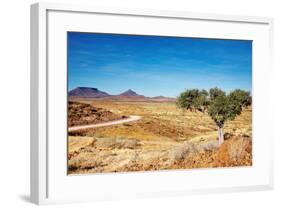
{"points": [[153, 65]]}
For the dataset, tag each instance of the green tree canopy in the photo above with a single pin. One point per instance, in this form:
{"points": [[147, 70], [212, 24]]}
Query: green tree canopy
{"points": [[193, 99], [241, 97], [220, 106]]}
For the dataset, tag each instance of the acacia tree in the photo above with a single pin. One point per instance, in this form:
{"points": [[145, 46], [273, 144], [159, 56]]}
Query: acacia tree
{"points": [[216, 103]]}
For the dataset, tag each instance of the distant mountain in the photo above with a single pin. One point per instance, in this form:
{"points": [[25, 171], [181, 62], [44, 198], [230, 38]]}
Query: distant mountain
{"points": [[90, 93], [130, 93], [87, 92]]}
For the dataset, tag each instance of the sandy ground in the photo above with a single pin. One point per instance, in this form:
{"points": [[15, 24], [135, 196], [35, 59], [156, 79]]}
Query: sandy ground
{"points": [[165, 138]]}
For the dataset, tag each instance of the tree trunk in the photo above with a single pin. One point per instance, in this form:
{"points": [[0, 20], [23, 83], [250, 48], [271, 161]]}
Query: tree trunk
{"points": [[221, 138]]}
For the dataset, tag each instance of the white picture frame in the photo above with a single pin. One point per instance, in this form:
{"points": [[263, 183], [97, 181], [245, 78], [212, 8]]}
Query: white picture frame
{"points": [[49, 181]]}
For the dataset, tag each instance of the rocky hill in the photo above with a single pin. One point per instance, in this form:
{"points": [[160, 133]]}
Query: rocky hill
{"points": [[87, 92], [83, 114]]}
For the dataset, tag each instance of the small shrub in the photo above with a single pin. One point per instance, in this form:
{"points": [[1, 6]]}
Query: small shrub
{"points": [[227, 136], [235, 152], [127, 124], [188, 149], [184, 151]]}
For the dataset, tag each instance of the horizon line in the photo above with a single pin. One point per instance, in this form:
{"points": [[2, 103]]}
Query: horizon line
{"points": [[155, 95]]}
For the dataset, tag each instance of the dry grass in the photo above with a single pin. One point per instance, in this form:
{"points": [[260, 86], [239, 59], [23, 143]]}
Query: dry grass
{"points": [[165, 138], [233, 152]]}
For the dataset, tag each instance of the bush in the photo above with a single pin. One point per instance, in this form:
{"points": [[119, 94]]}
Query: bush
{"points": [[189, 149]]}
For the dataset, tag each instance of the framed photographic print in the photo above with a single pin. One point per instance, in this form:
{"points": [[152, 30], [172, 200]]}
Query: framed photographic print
{"points": [[135, 103]]}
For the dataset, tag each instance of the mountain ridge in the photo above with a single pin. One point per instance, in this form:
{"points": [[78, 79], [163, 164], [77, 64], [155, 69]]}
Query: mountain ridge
{"points": [[128, 95], [89, 92]]}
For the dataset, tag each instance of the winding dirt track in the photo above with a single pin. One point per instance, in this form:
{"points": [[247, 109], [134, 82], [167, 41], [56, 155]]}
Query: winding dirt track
{"points": [[109, 123]]}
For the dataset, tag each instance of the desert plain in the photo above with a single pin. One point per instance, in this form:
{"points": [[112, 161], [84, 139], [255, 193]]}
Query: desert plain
{"points": [[164, 137]]}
